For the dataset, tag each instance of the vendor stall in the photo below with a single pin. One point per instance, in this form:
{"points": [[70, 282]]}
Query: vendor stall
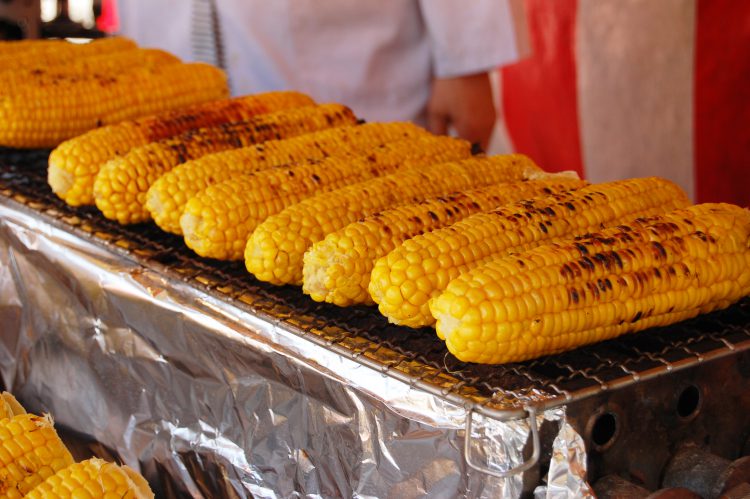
{"points": [[214, 384]]}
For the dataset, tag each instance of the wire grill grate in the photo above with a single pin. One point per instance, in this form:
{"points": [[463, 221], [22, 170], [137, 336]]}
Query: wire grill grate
{"points": [[360, 332]]}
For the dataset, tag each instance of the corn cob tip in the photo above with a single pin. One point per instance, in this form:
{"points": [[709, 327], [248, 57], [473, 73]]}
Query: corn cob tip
{"points": [[59, 180]]}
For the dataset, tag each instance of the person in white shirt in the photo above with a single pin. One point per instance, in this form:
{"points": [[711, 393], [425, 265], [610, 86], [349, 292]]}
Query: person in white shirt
{"points": [[420, 60]]}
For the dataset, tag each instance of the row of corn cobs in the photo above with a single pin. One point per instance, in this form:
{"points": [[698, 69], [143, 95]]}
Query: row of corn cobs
{"points": [[35, 464], [507, 262]]}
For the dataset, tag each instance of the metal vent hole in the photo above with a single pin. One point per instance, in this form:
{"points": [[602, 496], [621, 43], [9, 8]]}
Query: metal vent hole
{"points": [[689, 402], [604, 432]]}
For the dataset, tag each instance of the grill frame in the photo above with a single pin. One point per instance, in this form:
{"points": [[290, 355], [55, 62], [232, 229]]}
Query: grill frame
{"points": [[418, 357]]}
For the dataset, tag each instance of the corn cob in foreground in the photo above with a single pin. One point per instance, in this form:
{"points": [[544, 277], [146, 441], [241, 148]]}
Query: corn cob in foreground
{"points": [[74, 163], [120, 186], [557, 297], [45, 114], [9, 406], [403, 281], [21, 54], [93, 478], [30, 452], [218, 221], [274, 252], [167, 197], [337, 269]]}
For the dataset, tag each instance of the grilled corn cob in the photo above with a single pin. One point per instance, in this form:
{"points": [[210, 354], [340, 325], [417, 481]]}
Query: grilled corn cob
{"points": [[167, 197], [44, 115], [403, 281], [556, 297], [30, 452], [93, 478], [9, 406], [337, 269], [120, 186], [217, 222], [11, 78], [274, 251], [74, 163], [21, 54]]}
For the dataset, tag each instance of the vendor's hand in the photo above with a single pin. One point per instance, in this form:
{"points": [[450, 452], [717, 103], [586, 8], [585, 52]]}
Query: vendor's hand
{"points": [[464, 103]]}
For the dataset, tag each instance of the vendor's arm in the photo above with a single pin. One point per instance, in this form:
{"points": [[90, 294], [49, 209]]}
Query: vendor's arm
{"points": [[466, 42], [465, 104]]}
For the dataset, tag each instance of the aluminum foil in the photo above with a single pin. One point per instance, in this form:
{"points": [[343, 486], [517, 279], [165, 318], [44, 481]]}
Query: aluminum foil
{"points": [[207, 400]]}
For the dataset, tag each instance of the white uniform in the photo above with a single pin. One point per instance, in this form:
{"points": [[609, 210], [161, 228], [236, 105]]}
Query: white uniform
{"points": [[377, 56]]}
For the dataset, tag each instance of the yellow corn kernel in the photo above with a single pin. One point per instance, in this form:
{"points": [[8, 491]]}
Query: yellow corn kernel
{"points": [[73, 165], [46, 113], [30, 452], [650, 272], [167, 197], [93, 478], [484, 236], [337, 269], [218, 221], [274, 252], [121, 185]]}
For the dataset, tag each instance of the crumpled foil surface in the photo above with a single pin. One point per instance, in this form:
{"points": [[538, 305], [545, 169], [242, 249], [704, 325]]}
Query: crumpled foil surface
{"points": [[566, 478], [207, 400]]}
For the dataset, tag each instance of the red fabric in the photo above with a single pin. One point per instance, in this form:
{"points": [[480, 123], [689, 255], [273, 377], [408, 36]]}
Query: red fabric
{"points": [[108, 20], [722, 101], [539, 93]]}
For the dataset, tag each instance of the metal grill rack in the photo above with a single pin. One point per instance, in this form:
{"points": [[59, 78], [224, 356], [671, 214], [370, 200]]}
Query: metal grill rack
{"points": [[416, 356]]}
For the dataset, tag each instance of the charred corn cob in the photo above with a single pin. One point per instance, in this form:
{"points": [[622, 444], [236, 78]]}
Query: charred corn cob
{"points": [[557, 297], [337, 269], [121, 185], [274, 251], [217, 222], [74, 163], [27, 53], [30, 452], [93, 478], [403, 281], [167, 197], [9, 406], [46, 114]]}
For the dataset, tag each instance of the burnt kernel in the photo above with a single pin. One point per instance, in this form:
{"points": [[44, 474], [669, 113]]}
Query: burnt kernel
{"points": [[520, 263], [608, 283], [432, 215], [315, 177], [622, 282], [587, 263], [601, 284], [637, 317], [543, 228], [416, 220], [565, 271], [582, 248], [657, 273], [549, 211], [291, 173], [617, 259], [387, 229], [660, 252], [687, 221], [671, 270], [448, 212], [573, 294]]}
